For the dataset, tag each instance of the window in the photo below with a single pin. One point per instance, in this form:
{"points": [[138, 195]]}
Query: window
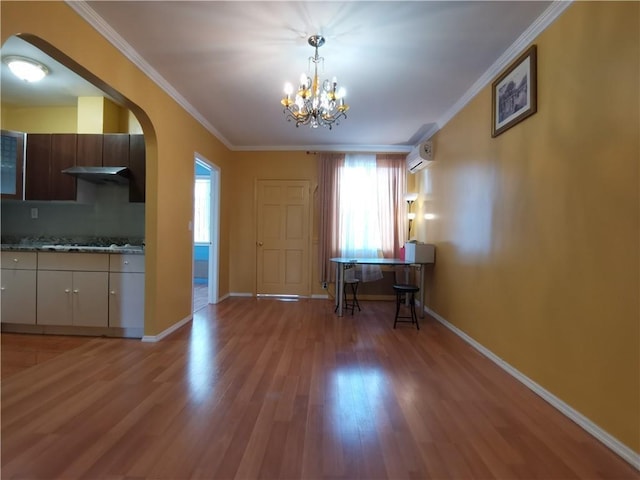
{"points": [[202, 213], [360, 233], [362, 207]]}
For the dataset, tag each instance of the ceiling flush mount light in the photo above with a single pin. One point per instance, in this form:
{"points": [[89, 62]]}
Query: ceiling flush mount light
{"points": [[315, 103], [26, 69]]}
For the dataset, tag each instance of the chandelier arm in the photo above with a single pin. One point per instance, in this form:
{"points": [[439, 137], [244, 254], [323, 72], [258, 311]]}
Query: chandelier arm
{"points": [[316, 103]]}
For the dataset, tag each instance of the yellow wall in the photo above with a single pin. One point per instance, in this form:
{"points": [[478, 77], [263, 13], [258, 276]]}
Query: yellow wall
{"points": [[90, 114], [247, 168], [69, 119], [111, 118], [537, 230], [172, 138], [101, 115], [39, 119]]}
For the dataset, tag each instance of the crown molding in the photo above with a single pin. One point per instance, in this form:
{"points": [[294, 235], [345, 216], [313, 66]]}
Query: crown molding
{"points": [[547, 17], [330, 148], [104, 29], [528, 36]]}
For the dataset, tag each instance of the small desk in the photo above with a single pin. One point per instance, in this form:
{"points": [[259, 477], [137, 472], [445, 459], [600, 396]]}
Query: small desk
{"points": [[343, 264]]}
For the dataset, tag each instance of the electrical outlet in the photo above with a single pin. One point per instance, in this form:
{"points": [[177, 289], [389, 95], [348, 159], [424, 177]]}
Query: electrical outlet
{"points": [[324, 285], [34, 213]]}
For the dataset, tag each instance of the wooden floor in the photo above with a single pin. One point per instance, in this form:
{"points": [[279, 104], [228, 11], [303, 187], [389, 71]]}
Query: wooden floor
{"points": [[262, 388], [200, 296]]}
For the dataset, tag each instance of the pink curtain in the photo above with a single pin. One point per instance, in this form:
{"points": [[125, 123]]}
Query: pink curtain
{"points": [[392, 183], [392, 186], [329, 197]]}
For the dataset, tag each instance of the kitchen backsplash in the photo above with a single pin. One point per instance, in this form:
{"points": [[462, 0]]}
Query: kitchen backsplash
{"points": [[103, 218]]}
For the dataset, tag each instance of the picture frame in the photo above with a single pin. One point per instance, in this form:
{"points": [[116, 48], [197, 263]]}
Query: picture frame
{"points": [[514, 94]]}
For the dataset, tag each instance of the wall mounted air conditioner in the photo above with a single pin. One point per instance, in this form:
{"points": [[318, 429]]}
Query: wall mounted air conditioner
{"points": [[420, 157]]}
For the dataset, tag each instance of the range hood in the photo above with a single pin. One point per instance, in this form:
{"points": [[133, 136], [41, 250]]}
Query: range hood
{"points": [[100, 175]]}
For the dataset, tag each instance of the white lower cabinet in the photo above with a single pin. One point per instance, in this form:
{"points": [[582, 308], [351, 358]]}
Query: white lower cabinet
{"points": [[73, 288], [126, 291], [73, 298], [18, 288], [126, 300]]}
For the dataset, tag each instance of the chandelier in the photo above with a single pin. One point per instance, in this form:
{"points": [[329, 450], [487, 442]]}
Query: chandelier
{"points": [[314, 103]]}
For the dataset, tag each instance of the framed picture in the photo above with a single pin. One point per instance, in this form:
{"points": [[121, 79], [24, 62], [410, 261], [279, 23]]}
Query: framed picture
{"points": [[514, 94]]}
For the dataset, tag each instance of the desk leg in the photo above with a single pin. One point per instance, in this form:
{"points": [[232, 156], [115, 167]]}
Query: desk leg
{"points": [[421, 267], [339, 287]]}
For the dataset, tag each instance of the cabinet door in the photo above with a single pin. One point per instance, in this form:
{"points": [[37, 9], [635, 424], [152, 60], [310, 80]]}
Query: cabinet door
{"points": [[11, 163], [126, 300], [137, 167], [115, 150], [63, 155], [54, 302], [89, 150], [18, 296], [90, 299], [37, 166]]}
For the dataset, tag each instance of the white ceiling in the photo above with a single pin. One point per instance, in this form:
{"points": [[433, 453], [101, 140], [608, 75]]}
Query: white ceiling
{"points": [[405, 65]]}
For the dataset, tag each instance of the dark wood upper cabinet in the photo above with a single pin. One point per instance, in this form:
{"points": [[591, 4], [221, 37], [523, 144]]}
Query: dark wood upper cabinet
{"points": [[48, 154], [89, 150], [115, 150], [137, 168], [63, 155], [38, 153]]}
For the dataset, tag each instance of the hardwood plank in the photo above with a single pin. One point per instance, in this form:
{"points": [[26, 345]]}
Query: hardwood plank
{"points": [[260, 388]]}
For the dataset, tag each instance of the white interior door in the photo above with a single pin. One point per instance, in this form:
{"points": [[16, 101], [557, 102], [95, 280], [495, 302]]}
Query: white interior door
{"points": [[282, 237]]}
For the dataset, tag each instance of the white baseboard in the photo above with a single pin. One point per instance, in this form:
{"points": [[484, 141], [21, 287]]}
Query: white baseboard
{"points": [[323, 296], [223, 298], [241, 294], [611, 442], [168, 331]]}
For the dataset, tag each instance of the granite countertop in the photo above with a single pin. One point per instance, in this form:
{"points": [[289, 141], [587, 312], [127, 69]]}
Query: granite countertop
{"points": [[73, 244], [131, 249]]}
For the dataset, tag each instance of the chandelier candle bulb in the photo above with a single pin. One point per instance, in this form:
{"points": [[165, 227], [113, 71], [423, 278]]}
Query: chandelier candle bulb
{"points": [[316, 102]]}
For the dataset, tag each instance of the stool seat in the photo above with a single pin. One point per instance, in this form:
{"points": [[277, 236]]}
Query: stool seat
{"points": [[402, 288], [406, 291]]}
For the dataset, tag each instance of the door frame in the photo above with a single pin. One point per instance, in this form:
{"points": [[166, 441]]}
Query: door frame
{"points": [[214, 233]]}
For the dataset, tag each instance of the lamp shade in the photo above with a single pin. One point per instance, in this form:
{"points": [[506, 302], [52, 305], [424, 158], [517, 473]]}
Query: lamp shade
{"points": [[410, 197]]}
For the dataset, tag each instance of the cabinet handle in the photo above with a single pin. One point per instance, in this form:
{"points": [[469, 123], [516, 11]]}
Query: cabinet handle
{"points": [[15, 260], [126, 262], [112, 292], [66, 290], [75, 291], [2, 289]]}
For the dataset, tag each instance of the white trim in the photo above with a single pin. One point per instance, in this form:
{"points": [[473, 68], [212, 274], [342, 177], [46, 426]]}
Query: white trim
{"points": [[168, 331], [223, 297], [547, 17], [240, 294], [323, 296], [540, 24], [104, 29], [607, 439], [330, 148]]}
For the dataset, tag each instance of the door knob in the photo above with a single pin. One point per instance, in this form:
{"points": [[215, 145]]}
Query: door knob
{"points": [[259, 244]]}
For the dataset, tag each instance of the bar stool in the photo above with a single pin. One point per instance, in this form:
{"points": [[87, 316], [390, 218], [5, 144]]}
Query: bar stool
{"points": [[351, 281], [404, 292]]}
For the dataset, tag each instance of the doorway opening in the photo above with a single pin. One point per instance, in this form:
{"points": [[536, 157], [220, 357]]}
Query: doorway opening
{"points": [[206, 233]]}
